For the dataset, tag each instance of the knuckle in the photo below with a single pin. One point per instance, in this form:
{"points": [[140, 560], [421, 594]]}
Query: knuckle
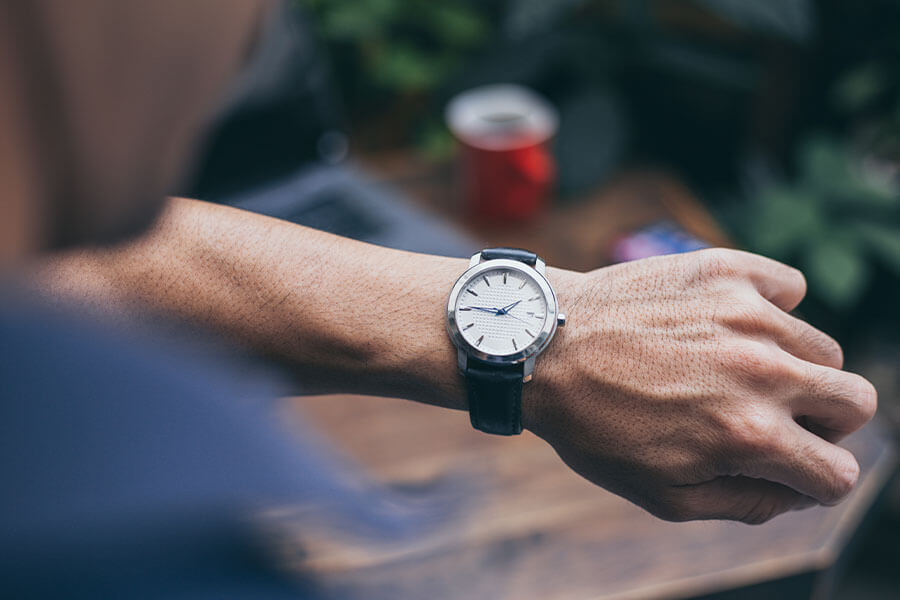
{"points": [[866, 397], [831, 349], [820, 343], [715, 263], [822, 383], [753, 433], [756, 364], [798, 277], [860, 397], [844, 476], [857, 397], [743, 314]]}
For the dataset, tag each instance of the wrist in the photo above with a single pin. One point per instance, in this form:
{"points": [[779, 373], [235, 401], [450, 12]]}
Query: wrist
{"points": [[423, 360], [555, 367]]}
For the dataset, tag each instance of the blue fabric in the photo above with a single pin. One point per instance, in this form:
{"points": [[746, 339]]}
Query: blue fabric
{"points": [[131, 468]]}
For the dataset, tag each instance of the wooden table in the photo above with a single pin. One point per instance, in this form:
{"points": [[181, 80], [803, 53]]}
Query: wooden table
{"points": [[534, 529]]}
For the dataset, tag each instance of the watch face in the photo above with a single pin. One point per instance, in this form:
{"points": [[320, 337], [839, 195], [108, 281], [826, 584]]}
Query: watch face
{"points": [[501, 311]]}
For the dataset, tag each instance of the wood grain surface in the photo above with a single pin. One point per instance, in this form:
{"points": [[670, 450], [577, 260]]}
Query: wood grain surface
{"points": [[531, 528], [528, 527]]}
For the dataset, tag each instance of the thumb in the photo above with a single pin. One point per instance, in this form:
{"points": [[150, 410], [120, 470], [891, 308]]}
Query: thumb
{"points": [[745, 499]]}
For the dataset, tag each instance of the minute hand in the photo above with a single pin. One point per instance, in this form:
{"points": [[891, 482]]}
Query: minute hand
{"points": [[507, 308]]}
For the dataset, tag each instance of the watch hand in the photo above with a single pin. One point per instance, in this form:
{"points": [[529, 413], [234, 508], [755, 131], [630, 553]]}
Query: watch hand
{"points": [[507, 308], [515, 317], [484, 309]]}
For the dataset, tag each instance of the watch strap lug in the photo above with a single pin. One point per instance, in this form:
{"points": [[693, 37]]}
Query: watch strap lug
{"points": [[528, 369], [523, 256], [462, 360]]}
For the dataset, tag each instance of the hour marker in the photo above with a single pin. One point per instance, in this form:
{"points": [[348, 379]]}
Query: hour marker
{"points": [[504, 278], [524, 281], [530, 313], [529, 332], [538, 316], [468, 308], [471, 292], [486, 280], [478, 341], [533, 299], [514, 344], [467, 326]]}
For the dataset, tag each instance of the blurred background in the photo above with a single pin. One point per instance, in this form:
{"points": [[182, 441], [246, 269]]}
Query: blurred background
{"points": [[767, 125]]}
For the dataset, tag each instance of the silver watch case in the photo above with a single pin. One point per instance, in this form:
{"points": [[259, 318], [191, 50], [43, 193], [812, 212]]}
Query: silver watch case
{"points": [[527, 354]]}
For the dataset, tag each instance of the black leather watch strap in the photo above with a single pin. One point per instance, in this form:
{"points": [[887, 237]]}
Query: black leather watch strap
{"points": [[495, 391], [495, 397], [529, 258]]}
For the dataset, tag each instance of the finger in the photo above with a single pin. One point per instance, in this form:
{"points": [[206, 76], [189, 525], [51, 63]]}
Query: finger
{"points": [[804, 341], [807, 464], [778, 283], [827, 434], [834, 403], [745, 499], [751, 314]]}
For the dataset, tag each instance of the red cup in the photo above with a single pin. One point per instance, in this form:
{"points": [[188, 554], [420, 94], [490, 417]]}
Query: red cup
{"points": [[507, 170]]}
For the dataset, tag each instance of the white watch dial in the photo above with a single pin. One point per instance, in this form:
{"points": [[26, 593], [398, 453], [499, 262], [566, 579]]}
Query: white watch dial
{"points": [[501, 311]]}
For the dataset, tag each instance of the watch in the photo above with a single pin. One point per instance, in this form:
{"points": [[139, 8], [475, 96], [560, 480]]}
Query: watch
{"points": [[501, 314]]}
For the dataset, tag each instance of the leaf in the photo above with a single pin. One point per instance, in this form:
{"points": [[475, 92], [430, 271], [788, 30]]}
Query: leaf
{"points": [[791, 19], [457, 25], [353, 21], [406, 68], [833, 175], [436, 142], [859, 87], [879, 187], [883, 241], [825, 167], [781, 220], [876, 193], [836, 270]]}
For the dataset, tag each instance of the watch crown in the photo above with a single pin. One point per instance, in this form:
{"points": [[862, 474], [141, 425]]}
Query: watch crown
{"points": [[560, 319]]}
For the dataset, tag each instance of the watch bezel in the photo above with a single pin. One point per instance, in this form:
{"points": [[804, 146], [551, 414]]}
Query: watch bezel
{"points": [[540, 341]]}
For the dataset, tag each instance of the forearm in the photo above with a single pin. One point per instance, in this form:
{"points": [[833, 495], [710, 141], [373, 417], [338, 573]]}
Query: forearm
{"points": [[680, 382], [346, 316]]}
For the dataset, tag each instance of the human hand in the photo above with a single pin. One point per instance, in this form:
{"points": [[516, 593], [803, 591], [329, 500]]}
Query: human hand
{"points": [[682, 384]]}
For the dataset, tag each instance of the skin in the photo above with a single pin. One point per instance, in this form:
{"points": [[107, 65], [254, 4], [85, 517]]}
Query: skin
{"points": [[679, 382]]}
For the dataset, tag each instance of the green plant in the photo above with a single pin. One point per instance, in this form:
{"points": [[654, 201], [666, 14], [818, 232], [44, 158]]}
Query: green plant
{"points": [[866, 94], [398, 61], [401, 46], [834, 219]]}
